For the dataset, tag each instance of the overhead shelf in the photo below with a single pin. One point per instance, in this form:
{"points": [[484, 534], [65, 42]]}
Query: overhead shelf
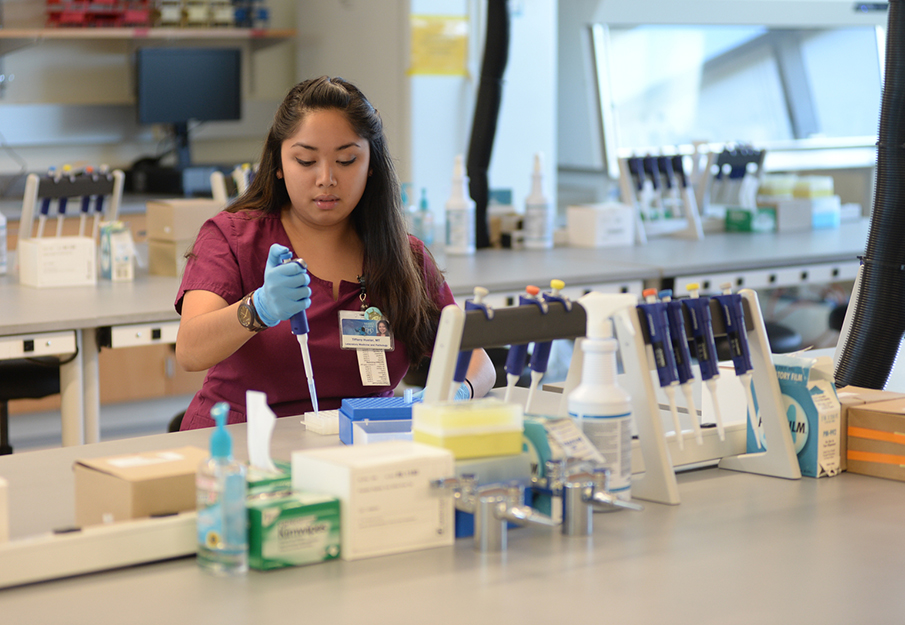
{"points": [[12, 39]]}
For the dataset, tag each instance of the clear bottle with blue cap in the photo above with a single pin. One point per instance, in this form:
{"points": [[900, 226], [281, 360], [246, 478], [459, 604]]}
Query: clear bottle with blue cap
{"points": [[222, 518]]}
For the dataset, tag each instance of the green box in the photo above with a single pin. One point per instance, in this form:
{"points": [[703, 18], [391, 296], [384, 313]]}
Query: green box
{"points": [[292, 529], [748, 220], [267, 482]]}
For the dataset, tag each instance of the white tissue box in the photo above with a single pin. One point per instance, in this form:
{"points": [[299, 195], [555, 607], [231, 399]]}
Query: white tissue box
{"points": [[386, 501], [57, 261], [601, 225]]}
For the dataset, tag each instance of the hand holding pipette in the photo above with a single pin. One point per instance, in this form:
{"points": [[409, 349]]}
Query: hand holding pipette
{"points": [[285, 295], [705, 347]]}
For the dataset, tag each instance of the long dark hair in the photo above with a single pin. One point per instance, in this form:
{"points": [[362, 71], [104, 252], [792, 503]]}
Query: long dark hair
{"points": [[393, 277]]}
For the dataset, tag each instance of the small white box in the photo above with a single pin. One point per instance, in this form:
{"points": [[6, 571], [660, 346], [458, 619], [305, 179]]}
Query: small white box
{"points": [[601, 225], [386, 501], [57, 261]]}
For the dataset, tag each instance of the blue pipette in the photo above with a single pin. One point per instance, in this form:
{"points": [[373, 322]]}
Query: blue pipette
{"points": [[518, 354], [705, 347], [664, 358], [540, 355], [465, 356], [683, 357], [299, 324], [734, 319]]}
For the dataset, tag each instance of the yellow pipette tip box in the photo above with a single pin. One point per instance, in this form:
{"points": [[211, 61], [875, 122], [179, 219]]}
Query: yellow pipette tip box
{"points": [[470, 429]]}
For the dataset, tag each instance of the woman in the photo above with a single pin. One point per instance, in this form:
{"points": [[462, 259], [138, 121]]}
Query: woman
{"points": [[325, 191]]}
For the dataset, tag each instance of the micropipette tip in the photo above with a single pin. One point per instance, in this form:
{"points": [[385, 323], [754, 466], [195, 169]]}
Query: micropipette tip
{"points": [[671, 396], [693, 413], [711, 385]]}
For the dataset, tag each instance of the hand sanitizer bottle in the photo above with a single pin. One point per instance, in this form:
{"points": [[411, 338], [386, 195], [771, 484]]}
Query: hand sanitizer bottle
{"points": [[424, 220], [222, 518]]}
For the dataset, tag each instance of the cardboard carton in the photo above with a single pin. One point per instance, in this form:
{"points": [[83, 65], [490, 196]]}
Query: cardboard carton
{"points": [[136, 485], [179, 219], [876, 443], [850, 396]]}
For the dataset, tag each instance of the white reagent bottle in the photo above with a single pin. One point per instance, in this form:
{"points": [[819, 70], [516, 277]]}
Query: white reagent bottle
{"points": [[601, 408], [538, 213], [460, 214]]}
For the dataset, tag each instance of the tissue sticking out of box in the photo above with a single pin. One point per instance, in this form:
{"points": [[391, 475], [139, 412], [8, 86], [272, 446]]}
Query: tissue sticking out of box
{"points": [[322, 422], [261, 421]]}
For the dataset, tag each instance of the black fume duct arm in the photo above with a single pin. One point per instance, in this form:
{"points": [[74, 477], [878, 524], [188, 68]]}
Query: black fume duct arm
{"points": [[487, 109]]}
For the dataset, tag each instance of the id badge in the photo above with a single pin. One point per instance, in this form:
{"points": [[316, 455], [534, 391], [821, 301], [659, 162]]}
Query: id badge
{"points": [[365, 330]]}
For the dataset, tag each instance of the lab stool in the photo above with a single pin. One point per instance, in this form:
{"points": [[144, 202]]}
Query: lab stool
{"points": [[31, 378]]}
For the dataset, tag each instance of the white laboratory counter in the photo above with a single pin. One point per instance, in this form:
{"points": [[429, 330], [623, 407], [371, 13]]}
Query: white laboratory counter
{"points": [[740, 548]]}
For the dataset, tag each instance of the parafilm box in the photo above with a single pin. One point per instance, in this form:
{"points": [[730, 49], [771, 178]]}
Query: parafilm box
{"points": [[291, 529], [813, 410]]}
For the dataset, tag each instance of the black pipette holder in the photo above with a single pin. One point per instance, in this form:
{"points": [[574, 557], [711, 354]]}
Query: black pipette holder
{"points": [[461, 330]]}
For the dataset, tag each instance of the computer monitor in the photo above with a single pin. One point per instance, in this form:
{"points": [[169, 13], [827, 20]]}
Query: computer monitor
{"points": [[178, 85]]}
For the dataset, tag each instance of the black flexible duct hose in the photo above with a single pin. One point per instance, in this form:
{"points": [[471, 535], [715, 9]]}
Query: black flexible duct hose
{"points": [[487, 109], [878, 323]]}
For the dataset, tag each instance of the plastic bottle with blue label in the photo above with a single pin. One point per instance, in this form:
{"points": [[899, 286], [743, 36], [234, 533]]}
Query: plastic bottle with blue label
{"points": [[221, 490], [599, 405]]}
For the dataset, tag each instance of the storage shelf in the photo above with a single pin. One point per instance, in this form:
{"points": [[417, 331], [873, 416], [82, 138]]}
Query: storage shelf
{"points": [[14, 38]]}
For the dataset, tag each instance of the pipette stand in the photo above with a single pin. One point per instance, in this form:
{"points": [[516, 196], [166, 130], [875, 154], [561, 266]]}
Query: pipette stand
{"points": [[461, 330], [687, 226]]}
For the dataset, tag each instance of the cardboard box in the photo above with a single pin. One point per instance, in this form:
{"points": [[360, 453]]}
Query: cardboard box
{"points": [[136, 485], [179, 219], [263, 482], [601, 225], [876, 443], [386, 501], [293, 530], [799, 214], [167, 258], [57, 261], [850, 396]]}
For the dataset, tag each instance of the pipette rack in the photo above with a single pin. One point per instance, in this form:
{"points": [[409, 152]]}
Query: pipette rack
{"points": [[460, 330]]}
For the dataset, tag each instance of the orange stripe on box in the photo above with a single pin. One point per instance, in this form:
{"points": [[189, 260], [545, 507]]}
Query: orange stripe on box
{"points": [[877, 435], [868, 456]]}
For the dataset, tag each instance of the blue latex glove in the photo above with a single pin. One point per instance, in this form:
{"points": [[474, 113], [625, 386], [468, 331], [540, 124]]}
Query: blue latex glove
{"points": [[285, 291], [462, 394]]}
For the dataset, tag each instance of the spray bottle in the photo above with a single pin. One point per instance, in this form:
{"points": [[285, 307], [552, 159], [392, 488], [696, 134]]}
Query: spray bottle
{"points": [[221, 491], [460, 214], [601, 407], [538, 214]]}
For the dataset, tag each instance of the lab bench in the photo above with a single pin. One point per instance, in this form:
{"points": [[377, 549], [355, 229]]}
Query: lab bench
{"points": [[141, 312], [740, 548]]}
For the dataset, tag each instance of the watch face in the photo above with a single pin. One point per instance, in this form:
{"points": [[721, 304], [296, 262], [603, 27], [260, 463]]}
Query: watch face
{"points": [[246, 316]]}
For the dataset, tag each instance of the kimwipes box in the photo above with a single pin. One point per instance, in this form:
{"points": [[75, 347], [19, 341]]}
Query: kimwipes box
{"points": [[136, 485], [876, 439], [386, 501]]}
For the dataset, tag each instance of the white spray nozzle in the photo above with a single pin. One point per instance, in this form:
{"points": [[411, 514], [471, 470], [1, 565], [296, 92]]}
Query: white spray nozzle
{"points": [[599, 307]]}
